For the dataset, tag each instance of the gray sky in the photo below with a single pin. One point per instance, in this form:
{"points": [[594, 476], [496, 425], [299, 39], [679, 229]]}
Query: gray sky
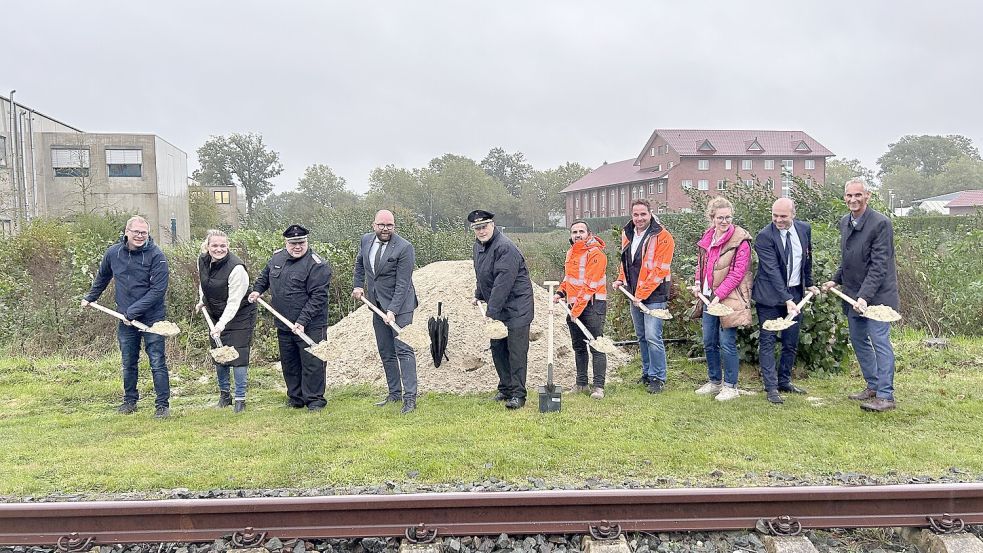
{"points": [[358, 85]]}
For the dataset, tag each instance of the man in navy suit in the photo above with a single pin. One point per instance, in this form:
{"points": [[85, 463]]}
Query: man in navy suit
{"points": [[384, 274], [784, 251]]}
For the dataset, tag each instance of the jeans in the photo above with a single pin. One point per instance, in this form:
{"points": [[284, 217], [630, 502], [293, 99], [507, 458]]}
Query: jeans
{"points": [[780, 377], [648, 329], [239, 373], [593, 318], [398, 359], [129, 346], [718, 340], [871, 342]]}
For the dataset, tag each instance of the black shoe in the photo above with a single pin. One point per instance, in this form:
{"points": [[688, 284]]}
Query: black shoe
{"points": [[773, 397], [162, 413], [791, 389], [293, 405], [500, 397], [409, 405], [315, 408], [515, 403], [240, 406], [655, 386], [224, 400], [388, 400], [127, 409], [643, 380]]}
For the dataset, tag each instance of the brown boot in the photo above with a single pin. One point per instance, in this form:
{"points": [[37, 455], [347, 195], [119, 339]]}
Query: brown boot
{"points": [[878, 404], [863, 396]]}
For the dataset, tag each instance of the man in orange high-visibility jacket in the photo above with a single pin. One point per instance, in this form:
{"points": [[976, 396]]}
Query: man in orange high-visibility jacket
{"points": [[584, 288], [646, 253]]}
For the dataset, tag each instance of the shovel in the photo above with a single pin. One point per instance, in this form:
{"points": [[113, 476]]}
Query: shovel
{"points": [[720, 310], [550, 394], [222, 354], [657, 313], [406, 334], [883, 313], [781, 323], [319, 350], [163, 328], [602, 344], [495, 330]]}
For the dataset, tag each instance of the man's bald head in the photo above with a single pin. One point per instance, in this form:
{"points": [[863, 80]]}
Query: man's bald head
{"points": [[384, 224], [782, 213]]}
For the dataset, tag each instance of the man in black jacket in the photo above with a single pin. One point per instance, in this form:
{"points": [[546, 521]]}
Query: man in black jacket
{"points": [[503, 283], [298, 279], [784, 250], [868, 273]]}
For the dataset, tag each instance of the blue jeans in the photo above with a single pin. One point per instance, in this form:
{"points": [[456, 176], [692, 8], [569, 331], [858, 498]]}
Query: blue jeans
{"points": [[129, 346], [648, 329], [239, 373], [871, 342], [718, 340]]}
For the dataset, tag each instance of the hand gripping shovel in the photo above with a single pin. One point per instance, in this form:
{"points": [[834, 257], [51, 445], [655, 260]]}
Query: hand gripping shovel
{"points": [[781, 323], [222, 354], [163, 328], [719, 310], [602, 344], [319, 350], [409, 334], [657, 313], [550, 394], [495, 330], [883, 313]]}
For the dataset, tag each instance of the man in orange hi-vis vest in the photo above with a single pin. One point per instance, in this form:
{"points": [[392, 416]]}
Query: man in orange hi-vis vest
{"points": [[584, 288], [646, 254]]}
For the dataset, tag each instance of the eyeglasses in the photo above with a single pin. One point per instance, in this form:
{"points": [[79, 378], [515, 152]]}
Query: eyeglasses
{"points": [[381, 226], [138, 232], [724, 218]]}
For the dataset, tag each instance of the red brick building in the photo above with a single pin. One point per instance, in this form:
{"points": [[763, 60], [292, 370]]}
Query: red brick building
{"points": [[968, 202], [674, 159]]}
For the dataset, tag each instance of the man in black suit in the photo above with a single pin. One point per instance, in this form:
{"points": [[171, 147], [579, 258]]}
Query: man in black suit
{"points": [[784, 251], [384, 274]]}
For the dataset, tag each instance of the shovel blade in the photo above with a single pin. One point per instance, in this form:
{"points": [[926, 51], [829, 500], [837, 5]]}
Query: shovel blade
{"points": [[549, 400]]}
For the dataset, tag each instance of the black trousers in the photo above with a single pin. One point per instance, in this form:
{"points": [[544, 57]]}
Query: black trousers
{"points": [[511, 358], [303, 373], [593, 318]]}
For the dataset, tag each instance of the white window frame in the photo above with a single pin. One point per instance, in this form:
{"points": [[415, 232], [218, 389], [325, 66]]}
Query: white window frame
{"points": [[662, 187], [593, 202], [671, 165], [576, 202], [687, 183], [3, 151], [728, 163], [769, 165], [222, 197], [722, 184], [810, 165], [748, 182], [623, 199], [746, 164], [703, 184], [703, 165], [788, 165], [652, 153]]}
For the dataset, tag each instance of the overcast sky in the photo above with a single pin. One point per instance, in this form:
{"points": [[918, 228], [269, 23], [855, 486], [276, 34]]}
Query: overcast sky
{"points": [[358, 85]]}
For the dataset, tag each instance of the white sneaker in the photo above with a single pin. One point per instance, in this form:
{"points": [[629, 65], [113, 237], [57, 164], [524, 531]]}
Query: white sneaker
{"points": [[727, 393], [598, 393], [708, 388]]}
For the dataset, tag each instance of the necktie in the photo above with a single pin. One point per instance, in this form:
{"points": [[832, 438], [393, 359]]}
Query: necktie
{"points": [[377, 264], [788, 256]]}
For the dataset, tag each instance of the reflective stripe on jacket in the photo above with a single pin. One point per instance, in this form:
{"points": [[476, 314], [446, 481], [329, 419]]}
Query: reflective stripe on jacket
{"points": [[657, 249], [584, 277]]}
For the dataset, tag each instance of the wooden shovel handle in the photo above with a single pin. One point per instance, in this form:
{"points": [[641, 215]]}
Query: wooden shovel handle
{"points": [[119, 316], [380, 313], [704, 298], [641, 306], [587, 334], [284, 320], [800, 305], [211, 326], [845, 297]]}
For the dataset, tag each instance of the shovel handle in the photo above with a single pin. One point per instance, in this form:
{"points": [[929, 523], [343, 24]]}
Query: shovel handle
{"points": [[284, 320], [211, 326], [800, 305], [380, 313], [845, 297], [704, 298], [631, 297], [587, 334], [119, 316]]}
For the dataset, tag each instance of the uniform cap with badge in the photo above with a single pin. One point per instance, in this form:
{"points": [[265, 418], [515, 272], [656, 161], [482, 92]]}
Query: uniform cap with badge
{"points": [[295, 234], [479, 218]]}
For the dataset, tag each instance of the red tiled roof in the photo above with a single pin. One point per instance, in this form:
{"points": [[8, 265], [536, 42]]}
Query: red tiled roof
{"points": [[619, 172], [967, 198], [686, 142]]}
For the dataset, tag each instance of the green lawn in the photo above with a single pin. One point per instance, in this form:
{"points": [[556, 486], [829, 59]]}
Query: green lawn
{"points": [[59, 431]]}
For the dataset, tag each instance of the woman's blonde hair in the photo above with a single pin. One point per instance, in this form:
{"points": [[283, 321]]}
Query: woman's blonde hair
{"points": [[714, 204], [211, 234]]}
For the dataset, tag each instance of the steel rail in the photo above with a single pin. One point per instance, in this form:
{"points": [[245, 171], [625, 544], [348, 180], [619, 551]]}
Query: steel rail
{"points": [[75, 526]]}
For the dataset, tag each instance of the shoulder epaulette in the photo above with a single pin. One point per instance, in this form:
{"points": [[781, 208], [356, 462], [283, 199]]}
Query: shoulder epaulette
{"points": [[315, 258]]}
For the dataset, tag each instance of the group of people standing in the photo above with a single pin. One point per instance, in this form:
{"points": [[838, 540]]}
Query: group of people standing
{"points": [[298, 279]]}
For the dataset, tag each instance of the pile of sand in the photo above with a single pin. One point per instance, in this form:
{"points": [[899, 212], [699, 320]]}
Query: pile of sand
{"points": [[355, 358]]}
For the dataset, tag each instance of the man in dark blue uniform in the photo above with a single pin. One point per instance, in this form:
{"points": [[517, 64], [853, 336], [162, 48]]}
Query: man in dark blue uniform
{"points": [[503, 283], [298, 279]]}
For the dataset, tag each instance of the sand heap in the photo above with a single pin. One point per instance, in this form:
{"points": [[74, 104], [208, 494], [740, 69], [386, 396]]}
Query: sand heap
{"points": [[355, 359]]}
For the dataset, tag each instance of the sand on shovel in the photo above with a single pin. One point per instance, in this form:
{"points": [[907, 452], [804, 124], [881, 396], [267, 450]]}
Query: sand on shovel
{"points": [[719, 310], [777, 325], [165, 328], [224, 354], [604, 344], [414, 336], [883, 313], [321, 350], [495, 330], [469, 367], [663, 314]]}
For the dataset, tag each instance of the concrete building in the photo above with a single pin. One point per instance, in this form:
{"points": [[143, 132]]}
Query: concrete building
{"points": [[61, 171], [231, 206], [673, 160]]}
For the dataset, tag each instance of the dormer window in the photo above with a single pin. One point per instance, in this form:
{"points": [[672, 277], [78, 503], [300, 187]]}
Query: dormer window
{"points": [[706, 147], [755, 146]]}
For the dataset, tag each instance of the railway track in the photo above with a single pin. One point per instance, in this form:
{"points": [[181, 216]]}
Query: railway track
{"points": [[77, 526]]}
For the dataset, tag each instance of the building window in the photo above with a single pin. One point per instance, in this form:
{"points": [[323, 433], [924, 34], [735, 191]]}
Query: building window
{"points": [[653, 151], [622, 199], [687, 184], [70, 162], [223, 197], [786, 184], [3, 151], [658, 167], [593, 201], [664, 148], [686, 210], [769, 164], [727, 164], [787, 165], [703, 184], [662, 209], [808, 182], [671, 164], [704, 165], [651, 189], [810, 164], [745, 165], [662, 187], [6, 227], [748, 182], [576, 202], [604, 198], [722, 184], [124, 163]]}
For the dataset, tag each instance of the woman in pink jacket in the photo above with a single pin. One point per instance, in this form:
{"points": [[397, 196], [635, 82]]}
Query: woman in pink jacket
{"points": [[723, 276]]}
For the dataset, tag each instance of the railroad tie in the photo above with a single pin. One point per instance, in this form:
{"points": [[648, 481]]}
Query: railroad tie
{"points": [[593, 545], [788, 544], [926, 540], [407, 546]]}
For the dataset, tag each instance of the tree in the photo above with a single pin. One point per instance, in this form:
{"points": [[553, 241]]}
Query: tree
{"points": [[319, 184], [926, 154], [509, 169], [202, 211], [838, 171], [242, 160], [541, 203]]}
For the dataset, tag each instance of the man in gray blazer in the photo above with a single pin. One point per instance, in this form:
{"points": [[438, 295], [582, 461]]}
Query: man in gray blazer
{"points": [[384, 275]]}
